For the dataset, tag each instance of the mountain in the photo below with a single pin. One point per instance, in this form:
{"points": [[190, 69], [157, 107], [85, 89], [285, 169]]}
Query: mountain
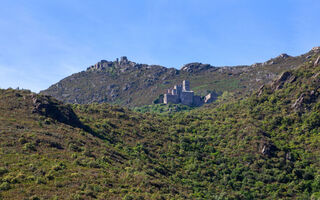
{"points": [[128, 83], [265, 146]]}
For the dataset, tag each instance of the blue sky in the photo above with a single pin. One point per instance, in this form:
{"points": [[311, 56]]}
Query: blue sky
{"points": [[42, 42]]}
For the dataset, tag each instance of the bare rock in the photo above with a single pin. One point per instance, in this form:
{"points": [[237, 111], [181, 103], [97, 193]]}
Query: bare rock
{"points": [[317, 62], [315, 49], [195, 67], [211, 97], [284, 77], [298, 103], [284, 55], [260, 91], [103, 64], [305, 98], [267, 149]]}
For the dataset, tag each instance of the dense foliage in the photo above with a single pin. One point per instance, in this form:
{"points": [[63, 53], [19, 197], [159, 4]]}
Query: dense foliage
{"points": [[266, 146], [163, 108]]}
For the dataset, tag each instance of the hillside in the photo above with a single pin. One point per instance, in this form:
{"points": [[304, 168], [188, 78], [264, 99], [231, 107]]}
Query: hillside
{"points": [[128, 83], [266, 146]]}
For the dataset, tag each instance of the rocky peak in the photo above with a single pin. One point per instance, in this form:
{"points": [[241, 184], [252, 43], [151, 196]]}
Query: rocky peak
{"points": [[283, 55], [277, 59], [104, 64], [100, 65], [316, 49], [124, 62], [195, 67]]}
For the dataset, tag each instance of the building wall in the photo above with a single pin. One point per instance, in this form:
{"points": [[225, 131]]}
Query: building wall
{"points": [[169, 98], [210, 97], [187, 98], [178, 88], [186, 85], [197, 101]]}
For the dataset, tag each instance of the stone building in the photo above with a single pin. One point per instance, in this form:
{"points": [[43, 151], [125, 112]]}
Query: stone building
{"points": [[182, 94]]}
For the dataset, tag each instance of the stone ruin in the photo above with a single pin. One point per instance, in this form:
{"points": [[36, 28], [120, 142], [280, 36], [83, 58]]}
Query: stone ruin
{"points": [[183, 95]]}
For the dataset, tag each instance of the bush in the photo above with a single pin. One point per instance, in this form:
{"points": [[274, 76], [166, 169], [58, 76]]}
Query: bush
{"points": [[315, 196], [74, 147], [128, 197], [34, 198], [3, 171], [59, 166], [29, 146], [22, 140], [4, 186], [41, 180]]}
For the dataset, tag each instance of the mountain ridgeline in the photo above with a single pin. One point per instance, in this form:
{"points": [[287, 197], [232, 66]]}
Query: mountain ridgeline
{"points": [[131, 84]]}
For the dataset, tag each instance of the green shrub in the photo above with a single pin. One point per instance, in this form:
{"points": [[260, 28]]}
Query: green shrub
{"points": [[59, 166], [29, 146], [3, 171], [40, 180], [34, 198], [74, 147], [5, 186], [22, 140], [315, 196], [128, 197]]}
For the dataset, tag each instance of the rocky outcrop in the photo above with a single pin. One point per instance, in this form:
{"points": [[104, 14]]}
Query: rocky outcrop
{"points": [[211, 97], [305, 98], [285, 77], [195, 67], [315, 49], [317, 62], [124, 64], [260, 91], [279, 59], [267, 149], [103, 64], [49, 107], [284, 55]]}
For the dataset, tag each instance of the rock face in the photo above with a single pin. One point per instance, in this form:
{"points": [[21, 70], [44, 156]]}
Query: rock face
{"points": [[317, 62], [103, 64], [46, 106], [211, 97], [305, 98], [315, 49], [284, 77], [267, 149], [195, 67]]}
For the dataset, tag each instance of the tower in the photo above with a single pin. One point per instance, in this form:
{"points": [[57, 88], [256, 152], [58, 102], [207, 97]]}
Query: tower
{"points": [[185, 85]]}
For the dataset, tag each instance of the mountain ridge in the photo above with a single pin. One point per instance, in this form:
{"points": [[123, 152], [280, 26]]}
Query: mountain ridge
{"points": [[132, 84]]}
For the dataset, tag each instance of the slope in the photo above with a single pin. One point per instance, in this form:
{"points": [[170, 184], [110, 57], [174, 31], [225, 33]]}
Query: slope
{"points": [[263, 147]]}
